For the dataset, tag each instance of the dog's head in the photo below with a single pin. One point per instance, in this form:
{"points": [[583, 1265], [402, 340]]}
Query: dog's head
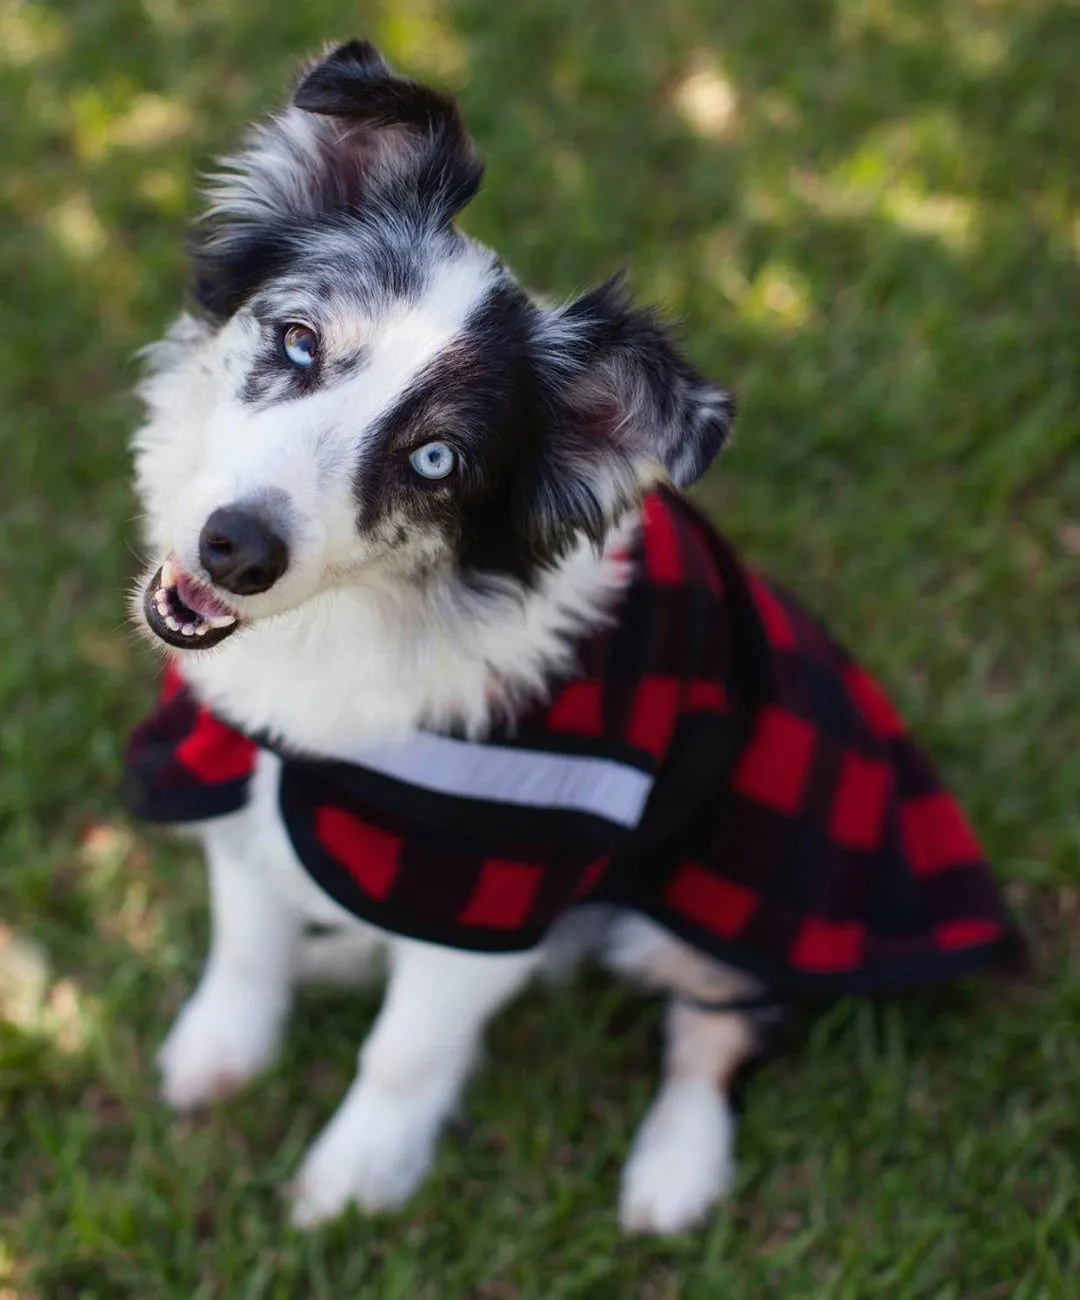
{"points": [[364, 393]]}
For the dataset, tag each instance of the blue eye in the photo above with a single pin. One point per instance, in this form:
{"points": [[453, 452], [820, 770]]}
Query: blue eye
{"points": [[300, 344], [433, 460]]}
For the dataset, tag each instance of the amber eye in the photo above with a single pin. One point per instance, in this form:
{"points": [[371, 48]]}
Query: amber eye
{"points": [[300, 344]]}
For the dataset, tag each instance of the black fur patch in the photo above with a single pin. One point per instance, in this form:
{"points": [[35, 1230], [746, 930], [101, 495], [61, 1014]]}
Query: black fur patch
{"points": [[391, 153], [226, 271], [553, 427], [483, 397]]}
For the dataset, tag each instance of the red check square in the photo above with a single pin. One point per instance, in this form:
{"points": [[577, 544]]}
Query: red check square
{"points": [[656, 715], [369, 854], [937, 835], [775, 765], [857, 820], [715, 904], [827, 947], [503, 896]]}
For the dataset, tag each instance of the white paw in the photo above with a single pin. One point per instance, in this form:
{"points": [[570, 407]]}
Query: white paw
{"points": [[227, 1033], [682, 1160], [375, 1153]]}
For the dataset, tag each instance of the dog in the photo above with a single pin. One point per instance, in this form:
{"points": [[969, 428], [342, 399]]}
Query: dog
{"points": [[461, 688]]}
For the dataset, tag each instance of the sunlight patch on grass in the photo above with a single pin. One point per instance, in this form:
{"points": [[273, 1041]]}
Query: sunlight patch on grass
{"points": [[24, 979], [721, 259], [885, 177], [150, 122], [972, 33], [107, 848], [11, 1271], [115, 864], [976, 33], [950, 218], [899, 24], [137, 921], [982, 49], [62, 1012], [69, 1017], [779, 298], [706, 99], [166, 190], [30, 33], [102, 123], [423, 39], [75, 226]]}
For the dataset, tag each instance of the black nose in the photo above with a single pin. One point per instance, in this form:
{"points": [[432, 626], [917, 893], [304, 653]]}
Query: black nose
{"points": [[241, 552]]}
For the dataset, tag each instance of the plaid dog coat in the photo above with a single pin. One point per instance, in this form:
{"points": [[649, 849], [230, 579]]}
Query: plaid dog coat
{"points": [[717, 762]]}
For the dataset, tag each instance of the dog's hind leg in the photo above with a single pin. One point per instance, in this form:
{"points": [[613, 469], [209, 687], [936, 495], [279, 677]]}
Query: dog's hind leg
{"points": [[230, 1028], [348, 957], [682, 1161], [380, 1143]]}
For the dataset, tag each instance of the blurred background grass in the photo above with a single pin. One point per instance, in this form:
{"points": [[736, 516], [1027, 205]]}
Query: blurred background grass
{"points": [[867, 214]]}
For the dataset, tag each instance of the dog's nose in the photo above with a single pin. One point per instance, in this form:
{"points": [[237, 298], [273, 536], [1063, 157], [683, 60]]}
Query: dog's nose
{"points": [[241, 552]]}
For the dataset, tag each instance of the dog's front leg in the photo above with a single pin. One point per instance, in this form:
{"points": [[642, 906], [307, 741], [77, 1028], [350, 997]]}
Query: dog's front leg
{"points": [[380, 1144], [230, 1028]]}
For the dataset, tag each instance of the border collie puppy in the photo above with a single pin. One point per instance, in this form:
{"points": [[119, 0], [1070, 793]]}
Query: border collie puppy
{"points": [[457, 681]]}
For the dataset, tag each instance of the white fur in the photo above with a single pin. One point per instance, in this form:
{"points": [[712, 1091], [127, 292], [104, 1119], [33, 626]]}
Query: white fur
{"points": [[230, 1029], [681, 1162], [381, 1141]]}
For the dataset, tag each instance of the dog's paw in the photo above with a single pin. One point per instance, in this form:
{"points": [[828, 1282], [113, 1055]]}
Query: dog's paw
{"points": [[224, 1036], [373, 1153], [681, 1163]]}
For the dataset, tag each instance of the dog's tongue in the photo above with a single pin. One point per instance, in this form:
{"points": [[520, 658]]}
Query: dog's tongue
{"points": [[200, 599]]}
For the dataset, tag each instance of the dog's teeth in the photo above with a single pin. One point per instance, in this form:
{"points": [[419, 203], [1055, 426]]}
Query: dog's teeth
{"points": [[188, 629], [171, 623], [221, 620], [168, 574], [202, 629], [162, 602]]}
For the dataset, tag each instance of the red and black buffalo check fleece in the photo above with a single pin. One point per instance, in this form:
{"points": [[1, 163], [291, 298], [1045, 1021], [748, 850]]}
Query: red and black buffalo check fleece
{"points": [[739, 778]]}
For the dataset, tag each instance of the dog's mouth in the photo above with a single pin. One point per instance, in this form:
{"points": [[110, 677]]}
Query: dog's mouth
{"points": [[184, 612]]}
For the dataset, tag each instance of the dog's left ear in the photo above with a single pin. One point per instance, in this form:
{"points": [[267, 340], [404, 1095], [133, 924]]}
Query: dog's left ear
{"points": [[355, 139], [394, 133], [629, 410]]}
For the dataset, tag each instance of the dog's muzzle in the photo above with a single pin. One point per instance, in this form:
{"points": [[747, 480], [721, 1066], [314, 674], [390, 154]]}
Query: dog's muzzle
{"points": [[184, 612]]}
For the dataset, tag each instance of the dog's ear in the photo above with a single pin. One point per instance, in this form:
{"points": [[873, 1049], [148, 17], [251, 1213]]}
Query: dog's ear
{"points": [[355, 138], [630, 411], [395, 133]]}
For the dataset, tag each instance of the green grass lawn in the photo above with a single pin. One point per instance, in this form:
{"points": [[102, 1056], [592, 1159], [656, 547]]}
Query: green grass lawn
{"points": [[868, 216]]}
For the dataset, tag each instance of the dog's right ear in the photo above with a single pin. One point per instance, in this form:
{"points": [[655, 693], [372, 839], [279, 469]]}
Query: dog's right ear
{"points": [[356, 137]]}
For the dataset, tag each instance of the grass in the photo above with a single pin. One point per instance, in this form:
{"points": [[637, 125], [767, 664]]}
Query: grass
{"points": [[868, 216]]}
